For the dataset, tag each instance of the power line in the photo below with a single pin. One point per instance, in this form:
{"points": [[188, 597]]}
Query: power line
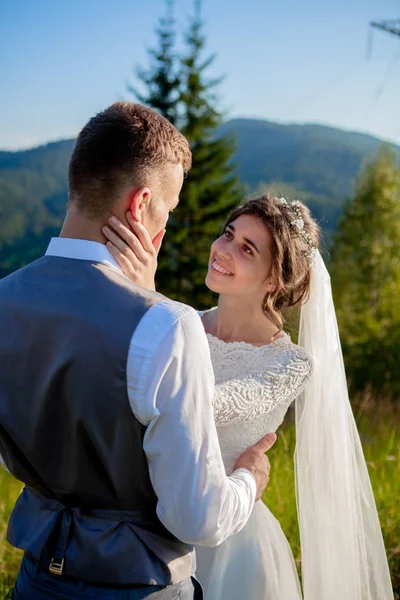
{"points": [[381, 86], [325, 87], [391, 26]]}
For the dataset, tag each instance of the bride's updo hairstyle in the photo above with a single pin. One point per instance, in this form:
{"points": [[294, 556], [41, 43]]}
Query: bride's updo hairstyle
{"points": [[295, 239]]}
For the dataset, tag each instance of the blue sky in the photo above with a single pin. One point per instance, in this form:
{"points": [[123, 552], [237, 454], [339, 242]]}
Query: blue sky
{"points": [[287, 61]]}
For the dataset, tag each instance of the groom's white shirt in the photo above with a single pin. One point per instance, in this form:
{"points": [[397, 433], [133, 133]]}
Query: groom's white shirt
{"points": [[170, 383]]}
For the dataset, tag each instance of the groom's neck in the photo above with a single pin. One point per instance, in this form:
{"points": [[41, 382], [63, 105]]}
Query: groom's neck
{"points": [[81, 227]]}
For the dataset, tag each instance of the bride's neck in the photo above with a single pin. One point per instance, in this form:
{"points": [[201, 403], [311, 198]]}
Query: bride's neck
{"points": [[240, 321]]}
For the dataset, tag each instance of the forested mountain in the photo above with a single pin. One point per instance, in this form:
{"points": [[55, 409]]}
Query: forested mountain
{"points": [[315, 163], [33, 194]]}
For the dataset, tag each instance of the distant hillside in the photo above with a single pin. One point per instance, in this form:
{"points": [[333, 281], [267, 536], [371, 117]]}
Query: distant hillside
{"points": [[315, 163], [33, 195], [318, 163]]}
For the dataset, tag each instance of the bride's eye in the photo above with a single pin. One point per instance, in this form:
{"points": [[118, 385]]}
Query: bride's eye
{"points": [[248, 250], [227, 234]]}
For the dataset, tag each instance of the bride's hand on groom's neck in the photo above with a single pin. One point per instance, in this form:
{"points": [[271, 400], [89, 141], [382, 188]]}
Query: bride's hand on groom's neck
{"points": [[133, 249]]}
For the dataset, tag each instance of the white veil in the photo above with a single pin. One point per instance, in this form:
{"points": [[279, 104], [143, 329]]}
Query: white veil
{"points": [[343, 555]]}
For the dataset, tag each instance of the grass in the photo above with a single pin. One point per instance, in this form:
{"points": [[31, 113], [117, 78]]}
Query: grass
{"points": [[9, 556], [379, 427]]}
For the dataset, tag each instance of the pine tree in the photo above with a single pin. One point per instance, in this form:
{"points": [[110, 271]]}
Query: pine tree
{"points": [[211, 189], [178, 87], [161, 81], [365, 270]]}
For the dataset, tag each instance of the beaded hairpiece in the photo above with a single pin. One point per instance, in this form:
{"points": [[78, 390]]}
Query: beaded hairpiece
{"points": [[298, 224]]}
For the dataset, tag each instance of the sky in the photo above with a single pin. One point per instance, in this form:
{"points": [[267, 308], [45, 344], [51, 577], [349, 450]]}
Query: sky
{"points": [[291, 61]]}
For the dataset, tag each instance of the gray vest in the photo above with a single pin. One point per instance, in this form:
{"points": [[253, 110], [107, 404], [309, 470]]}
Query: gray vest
{"points": [[67, 430]]}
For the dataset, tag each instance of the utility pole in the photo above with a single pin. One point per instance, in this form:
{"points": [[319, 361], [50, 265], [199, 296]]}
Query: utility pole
{"points": [[392, 26]]}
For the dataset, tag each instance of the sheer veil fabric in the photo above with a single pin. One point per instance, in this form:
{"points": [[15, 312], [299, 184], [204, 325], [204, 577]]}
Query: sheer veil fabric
{"points": [[343, 555]]}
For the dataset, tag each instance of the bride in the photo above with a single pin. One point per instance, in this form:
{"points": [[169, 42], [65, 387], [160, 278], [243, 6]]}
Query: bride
{"points": [[265, 260]]}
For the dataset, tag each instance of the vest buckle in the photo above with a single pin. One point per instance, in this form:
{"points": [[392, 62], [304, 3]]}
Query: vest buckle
{"points": [[56, 566]]}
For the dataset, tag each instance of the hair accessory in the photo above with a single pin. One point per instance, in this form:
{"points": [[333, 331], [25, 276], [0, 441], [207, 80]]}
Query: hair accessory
{"points": [[298, 223]]}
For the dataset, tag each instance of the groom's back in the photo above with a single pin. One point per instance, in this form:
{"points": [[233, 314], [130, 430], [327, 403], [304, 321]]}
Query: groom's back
{"points": [[66, 426], [66, 327]]}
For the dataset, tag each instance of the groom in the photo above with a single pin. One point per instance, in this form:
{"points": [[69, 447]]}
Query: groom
{"points": [[106, 392]]}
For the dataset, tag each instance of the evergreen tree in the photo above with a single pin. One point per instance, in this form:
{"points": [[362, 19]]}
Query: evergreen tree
{"points": [[161, 80], [211, 189], [365, 271], [182, 92]]}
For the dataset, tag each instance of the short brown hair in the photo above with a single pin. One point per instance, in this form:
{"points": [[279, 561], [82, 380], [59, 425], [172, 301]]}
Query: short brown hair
{"points": [[123, 145], [290, 265]]}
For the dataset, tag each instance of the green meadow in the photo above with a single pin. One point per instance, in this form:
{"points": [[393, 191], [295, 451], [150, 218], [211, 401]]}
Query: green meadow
{"points": [[9, 557], [379, 427]]}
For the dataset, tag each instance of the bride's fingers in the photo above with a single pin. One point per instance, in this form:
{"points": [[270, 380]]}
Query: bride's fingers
{"points": [[158, 240], [141, 232], [127, 265], [124, 240]]}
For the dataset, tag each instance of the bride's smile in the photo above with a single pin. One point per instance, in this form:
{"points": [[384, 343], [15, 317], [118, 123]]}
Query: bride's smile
{"points": [[217, 266], [240, 260]]}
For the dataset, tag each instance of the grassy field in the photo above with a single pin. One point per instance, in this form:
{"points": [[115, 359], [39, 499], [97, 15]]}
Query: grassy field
{"points": [[380, 432], [9, 557]]}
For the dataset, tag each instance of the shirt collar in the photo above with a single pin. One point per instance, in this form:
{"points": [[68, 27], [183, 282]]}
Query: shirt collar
{"points": [[81, 250]]}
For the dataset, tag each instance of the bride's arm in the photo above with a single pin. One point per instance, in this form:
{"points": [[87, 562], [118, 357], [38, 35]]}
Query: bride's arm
{"points": [[133, 249]]}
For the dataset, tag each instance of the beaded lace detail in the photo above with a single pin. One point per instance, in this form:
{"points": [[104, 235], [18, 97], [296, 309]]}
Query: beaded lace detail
{"points": [[255, 386]]}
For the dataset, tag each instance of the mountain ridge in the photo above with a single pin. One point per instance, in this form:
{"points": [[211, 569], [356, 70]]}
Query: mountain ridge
{"points": [[311, 124], [316, 163]]}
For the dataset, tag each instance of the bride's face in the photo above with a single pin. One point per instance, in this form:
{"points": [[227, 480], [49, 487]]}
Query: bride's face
{"points": [[240, 260]]}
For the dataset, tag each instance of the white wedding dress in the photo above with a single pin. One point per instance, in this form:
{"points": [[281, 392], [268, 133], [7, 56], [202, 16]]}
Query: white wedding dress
{"points": [[254, 388]]}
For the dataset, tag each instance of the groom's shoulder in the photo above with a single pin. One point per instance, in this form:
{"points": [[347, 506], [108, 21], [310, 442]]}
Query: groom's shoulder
{"points": [[18, 274], [172, 310], [169, 314], [172, 325]]}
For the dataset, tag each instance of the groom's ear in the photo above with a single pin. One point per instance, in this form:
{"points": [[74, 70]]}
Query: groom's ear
{"points": [[139, 202]]}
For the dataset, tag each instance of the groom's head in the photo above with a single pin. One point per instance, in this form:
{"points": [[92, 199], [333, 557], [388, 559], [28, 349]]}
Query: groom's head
{"points": [[128, 157]]}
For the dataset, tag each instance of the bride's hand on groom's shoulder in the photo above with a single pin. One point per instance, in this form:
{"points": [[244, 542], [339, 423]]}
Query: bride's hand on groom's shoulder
{"points": [[133, 249]]}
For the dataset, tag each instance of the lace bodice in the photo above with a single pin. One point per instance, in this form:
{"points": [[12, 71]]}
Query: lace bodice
{"points": [[254, 388]]}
